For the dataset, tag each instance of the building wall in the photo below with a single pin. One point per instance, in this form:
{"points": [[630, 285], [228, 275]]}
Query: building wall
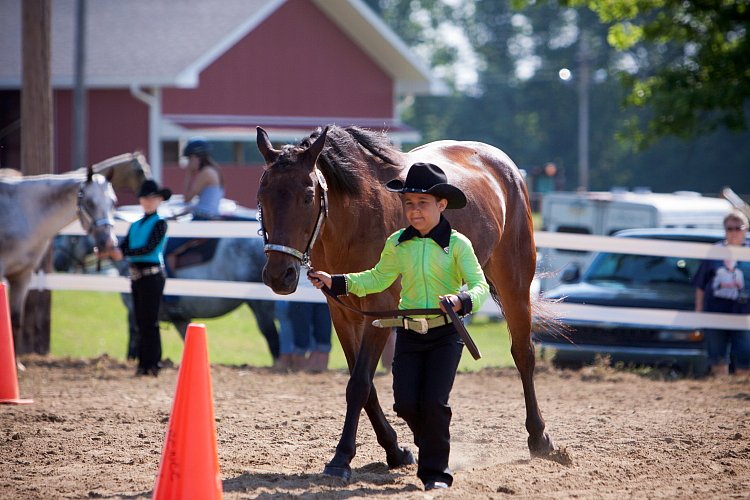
{"points": [[117, 123], [296, 63]]}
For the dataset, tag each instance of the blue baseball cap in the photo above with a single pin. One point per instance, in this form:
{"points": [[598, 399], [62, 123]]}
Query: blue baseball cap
{"points": [[196, 145]]}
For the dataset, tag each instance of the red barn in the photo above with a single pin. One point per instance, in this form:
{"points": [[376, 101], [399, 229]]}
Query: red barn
{"points": [[160, 71]]}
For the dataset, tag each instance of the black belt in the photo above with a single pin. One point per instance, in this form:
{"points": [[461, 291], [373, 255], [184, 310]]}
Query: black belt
{"points": [[137, 273]]}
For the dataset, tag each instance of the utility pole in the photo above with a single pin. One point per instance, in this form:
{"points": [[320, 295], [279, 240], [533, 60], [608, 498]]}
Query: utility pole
{"points": [[79, 93], [36, 148], [584, 82]]}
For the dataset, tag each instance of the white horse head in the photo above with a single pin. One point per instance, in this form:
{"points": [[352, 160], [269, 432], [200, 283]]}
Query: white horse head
{"points": [[96, 209]]}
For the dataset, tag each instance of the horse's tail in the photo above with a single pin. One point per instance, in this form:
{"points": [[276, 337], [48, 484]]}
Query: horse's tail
{"points": [[543, 315]]}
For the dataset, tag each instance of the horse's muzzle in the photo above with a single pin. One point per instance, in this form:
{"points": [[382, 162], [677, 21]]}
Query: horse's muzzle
{"points": [[281, 274], [104, 237]]}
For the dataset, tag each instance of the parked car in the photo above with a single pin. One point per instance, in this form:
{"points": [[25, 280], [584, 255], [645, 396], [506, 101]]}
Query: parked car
{"points": [[627, 280]]}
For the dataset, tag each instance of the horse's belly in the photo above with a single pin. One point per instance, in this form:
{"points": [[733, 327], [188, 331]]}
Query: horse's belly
{"points": [[207, 307], [19, 256]]}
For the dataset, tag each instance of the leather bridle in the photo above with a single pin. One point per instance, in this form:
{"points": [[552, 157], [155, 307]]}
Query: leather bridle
{"points": [[304, 256]]}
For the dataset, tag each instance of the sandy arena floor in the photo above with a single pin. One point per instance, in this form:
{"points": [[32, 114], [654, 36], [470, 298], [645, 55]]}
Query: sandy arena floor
{"points": [[95, 431]]}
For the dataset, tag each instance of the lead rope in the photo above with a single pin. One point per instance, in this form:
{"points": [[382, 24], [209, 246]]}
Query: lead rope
{"points": [[393, 313]]}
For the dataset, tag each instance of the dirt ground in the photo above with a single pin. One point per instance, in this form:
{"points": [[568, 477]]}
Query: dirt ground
{"points": [[95, 431]]}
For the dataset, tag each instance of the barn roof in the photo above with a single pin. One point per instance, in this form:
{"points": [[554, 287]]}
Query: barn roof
{"points": [[167, 43]]}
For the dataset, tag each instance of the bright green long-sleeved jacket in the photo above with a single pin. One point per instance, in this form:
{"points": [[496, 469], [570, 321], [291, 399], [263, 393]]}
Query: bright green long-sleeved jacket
{"points": [[427, 271]]}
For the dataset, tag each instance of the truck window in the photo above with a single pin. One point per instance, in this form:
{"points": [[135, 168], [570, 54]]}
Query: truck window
{"points": [[642, 269]]}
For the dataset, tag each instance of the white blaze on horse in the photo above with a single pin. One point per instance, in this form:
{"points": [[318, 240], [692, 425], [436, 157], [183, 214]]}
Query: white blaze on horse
{"points": [[35, 208]]}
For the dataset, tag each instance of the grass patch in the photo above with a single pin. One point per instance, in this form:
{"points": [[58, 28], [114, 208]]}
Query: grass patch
{"points": [[89, 324]]}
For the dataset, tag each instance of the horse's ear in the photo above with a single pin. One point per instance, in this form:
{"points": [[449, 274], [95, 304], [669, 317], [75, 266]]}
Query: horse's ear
{"points": [[317, 147], [89, 173], [266, 148]]}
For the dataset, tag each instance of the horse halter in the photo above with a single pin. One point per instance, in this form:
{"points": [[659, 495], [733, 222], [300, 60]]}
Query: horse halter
{"points": [[86, 218], [303, 257]]}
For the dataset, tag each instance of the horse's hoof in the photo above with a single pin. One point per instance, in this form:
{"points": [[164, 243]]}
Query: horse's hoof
{"points": [[343, 472], [403, 458], [541, 446]]}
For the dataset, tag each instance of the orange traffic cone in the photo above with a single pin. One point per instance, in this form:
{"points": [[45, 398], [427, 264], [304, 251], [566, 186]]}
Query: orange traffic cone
{"points": [[8, 375], [190, 460]]}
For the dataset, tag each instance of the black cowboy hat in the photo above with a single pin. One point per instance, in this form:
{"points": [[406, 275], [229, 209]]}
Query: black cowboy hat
{"points": [[430, 179], [151, 188]]}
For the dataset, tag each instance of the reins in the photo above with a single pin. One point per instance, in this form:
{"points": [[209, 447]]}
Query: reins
{"points": [[393, 313]]}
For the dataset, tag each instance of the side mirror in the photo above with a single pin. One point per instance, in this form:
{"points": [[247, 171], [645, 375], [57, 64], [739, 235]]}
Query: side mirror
{"points": [[571, 273]]}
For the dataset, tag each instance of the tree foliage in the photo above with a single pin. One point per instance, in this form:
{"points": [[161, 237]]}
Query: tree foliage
{"points": [[691, 62], [520, 105]]}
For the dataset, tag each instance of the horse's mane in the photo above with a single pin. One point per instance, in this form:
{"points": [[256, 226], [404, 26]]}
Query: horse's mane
{"points": [[113, 161], [347, 154]]}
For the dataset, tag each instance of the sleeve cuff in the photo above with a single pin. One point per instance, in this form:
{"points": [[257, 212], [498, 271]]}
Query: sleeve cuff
{"points": [[466, 304], [339, 285]]}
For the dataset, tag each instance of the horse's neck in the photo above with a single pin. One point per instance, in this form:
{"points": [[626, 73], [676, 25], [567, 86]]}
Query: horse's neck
{"points": [[52, 202], [361, 224], [114, 163]]}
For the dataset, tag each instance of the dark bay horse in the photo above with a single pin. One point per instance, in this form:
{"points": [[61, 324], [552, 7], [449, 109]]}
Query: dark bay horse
{"points": [[33, 209], [356, 214]]}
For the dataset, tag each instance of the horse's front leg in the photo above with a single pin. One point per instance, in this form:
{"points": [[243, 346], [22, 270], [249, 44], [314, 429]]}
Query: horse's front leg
{"points": [[360, 393], [18, 288]]}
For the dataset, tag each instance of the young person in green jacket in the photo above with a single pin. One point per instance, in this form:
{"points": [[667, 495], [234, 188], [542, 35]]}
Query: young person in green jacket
{"points": [[434, 261]]}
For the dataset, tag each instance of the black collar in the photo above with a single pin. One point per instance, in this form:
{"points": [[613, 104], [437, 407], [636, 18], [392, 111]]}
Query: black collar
{"points": [[441, 234]]}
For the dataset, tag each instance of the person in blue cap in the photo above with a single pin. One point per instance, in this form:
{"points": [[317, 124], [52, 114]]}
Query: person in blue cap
{"points": [[204, 179]]}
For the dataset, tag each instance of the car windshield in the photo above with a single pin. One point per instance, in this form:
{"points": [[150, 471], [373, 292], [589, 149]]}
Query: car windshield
{"points": [[641, 269]]}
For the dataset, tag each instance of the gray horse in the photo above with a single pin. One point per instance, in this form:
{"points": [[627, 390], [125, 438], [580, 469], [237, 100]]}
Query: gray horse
{"points": [[32, 210], [234, 259]]}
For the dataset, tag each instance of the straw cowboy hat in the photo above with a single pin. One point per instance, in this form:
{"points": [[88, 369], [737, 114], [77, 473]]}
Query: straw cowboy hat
{"points": [[151, 188], [430, 179]]}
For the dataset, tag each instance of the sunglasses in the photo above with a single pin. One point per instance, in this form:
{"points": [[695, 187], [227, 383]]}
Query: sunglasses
{"points": [[735, 228]]}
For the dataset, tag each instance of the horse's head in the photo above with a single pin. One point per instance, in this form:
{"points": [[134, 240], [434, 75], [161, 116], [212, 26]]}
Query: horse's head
{"points": [[96, 209], [292, 203], [126, 171]]}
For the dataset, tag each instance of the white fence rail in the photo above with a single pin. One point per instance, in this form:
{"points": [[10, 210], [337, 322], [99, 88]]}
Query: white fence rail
{"points": [[305, 293]]}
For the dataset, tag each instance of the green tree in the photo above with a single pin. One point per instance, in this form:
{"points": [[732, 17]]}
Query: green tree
{"points": [[690, 62], [532, 115]]}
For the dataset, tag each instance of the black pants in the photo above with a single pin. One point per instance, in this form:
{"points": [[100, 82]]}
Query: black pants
{"points": [[147, 292], [424, 368]]}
